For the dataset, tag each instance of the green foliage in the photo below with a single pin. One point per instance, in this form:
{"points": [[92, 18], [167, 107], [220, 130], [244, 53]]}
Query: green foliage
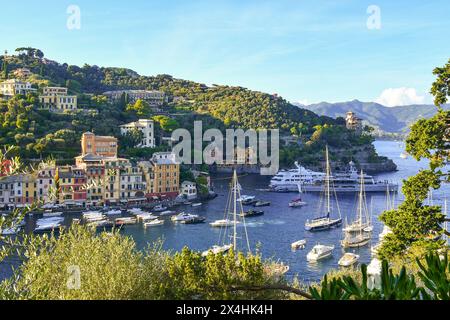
{"points": [[441, 87], [401, 286], [167, 124], [414, 222], [140, 108], [131, 139]]}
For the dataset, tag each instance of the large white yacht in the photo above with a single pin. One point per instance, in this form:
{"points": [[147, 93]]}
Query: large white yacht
{"points": [[289, 180], [351, 182]]}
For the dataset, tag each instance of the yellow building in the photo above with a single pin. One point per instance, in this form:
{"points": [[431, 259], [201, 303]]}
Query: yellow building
{"points": [[162, 175], [105, 146]]}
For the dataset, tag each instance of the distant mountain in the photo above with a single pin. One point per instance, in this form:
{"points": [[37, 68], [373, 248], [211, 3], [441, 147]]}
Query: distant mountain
{"points": [[387, 119]]}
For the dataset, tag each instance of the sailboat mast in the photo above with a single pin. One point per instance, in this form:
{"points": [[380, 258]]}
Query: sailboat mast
{"points": [[327, 180], [234, 209], [361, 201]]}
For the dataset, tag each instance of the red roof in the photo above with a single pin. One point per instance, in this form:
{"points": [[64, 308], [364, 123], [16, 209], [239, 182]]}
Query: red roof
{"points": [[5, 167]]}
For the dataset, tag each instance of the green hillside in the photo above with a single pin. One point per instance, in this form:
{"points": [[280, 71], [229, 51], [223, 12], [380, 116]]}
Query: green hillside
{"points": [[39, 133]]}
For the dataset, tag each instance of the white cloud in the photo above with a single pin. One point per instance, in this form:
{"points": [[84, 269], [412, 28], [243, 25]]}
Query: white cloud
{"points": [[303, 102], [400, 97]]}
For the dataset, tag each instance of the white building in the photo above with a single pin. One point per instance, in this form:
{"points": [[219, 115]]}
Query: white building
{"points": [[147, 127], [152, 97], [12, 87], [188, 190]]}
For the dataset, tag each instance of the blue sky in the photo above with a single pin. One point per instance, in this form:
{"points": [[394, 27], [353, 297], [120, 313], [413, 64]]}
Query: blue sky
{"points": [[306, 51]]}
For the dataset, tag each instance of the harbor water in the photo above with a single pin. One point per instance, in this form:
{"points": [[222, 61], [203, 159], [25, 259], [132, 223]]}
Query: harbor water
{"points": [[272, 233]]}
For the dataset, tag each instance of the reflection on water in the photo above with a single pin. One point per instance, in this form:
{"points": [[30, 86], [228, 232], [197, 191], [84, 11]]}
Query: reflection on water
{"points": [[280, 225]]}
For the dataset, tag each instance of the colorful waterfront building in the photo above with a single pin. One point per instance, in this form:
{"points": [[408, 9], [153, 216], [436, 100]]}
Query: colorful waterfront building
{"points": [[111, 181], [105, 146], [132, 184], [45, 181], [94, 169], [162, 175], [17, 191], [72, 186]]}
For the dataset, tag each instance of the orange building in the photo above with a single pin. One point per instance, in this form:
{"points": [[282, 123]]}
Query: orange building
{"points": [[105, 146]]}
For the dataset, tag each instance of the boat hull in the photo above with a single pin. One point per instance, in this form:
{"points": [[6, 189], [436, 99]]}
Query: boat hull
{"points": [[325, 226], [352, 188]]}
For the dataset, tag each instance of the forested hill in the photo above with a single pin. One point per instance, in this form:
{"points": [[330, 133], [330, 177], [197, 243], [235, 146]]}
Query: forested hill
{"points": [[40, 133], [233, 105]]}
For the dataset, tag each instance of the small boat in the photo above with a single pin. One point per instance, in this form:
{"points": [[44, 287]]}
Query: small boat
{"points": [[319, 252], [245, 198], [223, 223], [43, 221], [183, 216], [48, 227], [252, 213], [359, 240], [153, 223], [159, 208], [93, 215], [368, 229], [52, 214], [249, 202], [135, 211], [187, 203], [198, 204], [348, 259], [101, 224], [217, 249], [324, 221], [300, 244], [262, 204], [404, 155], [125, 220], [194, 220], [145, 216], [113, 212], [297, 203], [167, 213]]}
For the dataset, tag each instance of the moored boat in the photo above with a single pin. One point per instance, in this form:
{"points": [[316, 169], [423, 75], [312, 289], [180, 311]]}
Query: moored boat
{"points": [[50, 213], [319, 252], [197, 204], [262, 204], [194, 220], [348, 259], [297, 203], [154, 223], [300, 244], [125, 220], [325, 222], [159, 208], [183, 216], [252, 213], [217, 249]]}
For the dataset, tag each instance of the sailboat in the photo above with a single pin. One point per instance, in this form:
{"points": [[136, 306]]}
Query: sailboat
{"points": [[362, 212], [234, 205], [390, 205], [324, 222]]}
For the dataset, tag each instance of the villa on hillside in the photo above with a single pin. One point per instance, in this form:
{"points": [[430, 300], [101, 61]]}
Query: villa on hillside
{"points": [[146, 126], [353, 122], [12, 87], [152, 97], [57, 99]]}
